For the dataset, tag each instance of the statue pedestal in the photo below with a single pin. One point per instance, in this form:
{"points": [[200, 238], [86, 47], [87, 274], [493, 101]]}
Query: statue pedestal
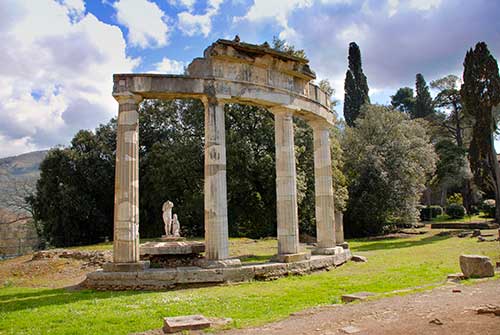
{"points": [[172, 238], [172, 254]]}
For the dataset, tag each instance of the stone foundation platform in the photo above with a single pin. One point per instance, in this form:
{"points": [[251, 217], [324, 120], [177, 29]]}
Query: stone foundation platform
{"points": [[163, 279], [172, 254]]}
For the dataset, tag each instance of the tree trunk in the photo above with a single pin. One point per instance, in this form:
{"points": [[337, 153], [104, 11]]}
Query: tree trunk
{"points": [[496, 177]]}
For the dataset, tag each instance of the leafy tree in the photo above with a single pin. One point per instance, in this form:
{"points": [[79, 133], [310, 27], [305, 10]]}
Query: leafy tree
{"points": [[388, 158], [73, 205], [355, 86], [480, 94], [284, 46], [404, 100], [423, 99], [455, 126]]}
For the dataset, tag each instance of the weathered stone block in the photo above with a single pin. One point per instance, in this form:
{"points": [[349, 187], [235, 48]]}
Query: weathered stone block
{"points": [[356, 296], [158, 274], [299, 268], [289, 258], [327, 251], [189, 322], [321, 262], [270, 271], [358, 258], [220, 263], [198, 275], [126, 267], [476, 266], [234, 275]]}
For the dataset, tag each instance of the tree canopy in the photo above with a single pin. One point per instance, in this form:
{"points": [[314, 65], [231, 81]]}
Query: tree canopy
{"points": [[388, 159], [355, 86]]}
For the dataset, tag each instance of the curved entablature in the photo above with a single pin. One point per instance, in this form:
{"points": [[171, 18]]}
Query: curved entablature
{"points": [[155, 86], [240, 73]]}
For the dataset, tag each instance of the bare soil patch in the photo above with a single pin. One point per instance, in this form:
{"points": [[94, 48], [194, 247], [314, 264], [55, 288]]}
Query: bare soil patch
{"points": [[451, 309]]}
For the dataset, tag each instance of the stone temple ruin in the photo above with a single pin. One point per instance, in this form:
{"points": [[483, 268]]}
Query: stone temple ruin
{"points": [[229, 72]]}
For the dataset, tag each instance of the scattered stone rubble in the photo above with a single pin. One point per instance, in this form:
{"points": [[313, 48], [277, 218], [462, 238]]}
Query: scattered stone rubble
{"points": [[90, 258]]}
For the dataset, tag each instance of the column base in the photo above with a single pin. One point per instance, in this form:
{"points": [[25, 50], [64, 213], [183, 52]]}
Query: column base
{"points": [[290, 258], [344, 245], [328, 251], [126, 267], [219, 263]]}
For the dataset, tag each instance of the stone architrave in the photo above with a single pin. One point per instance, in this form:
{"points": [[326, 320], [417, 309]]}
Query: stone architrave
{"points": [[126, 213], [286, 184], [216, 229], [167, 217], [325, 209]]}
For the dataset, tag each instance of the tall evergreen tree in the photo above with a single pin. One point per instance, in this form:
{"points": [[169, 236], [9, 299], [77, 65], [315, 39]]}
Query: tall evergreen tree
{"points": [[355, 86], [423, 99], [403, 100], [480, 95]]}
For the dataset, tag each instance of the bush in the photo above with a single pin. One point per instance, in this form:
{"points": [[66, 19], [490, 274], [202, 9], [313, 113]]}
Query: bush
{"points": [[489, 207], [455, 198], [455, 211], [430, 212]]}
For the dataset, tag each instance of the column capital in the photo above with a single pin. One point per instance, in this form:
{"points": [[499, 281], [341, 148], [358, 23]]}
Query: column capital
{"points": [[127, 98], [319, 124], [281, 110]]}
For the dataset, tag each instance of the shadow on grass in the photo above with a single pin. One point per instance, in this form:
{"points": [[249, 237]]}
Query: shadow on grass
{"points": [[389, 244], [47, 297]]}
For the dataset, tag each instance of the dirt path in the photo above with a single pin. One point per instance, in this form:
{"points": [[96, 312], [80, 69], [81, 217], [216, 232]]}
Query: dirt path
{"points": [[411, 314]]}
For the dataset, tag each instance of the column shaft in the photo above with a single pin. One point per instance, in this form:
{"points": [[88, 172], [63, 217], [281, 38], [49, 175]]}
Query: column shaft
{"points": [[325, 210], [286, 185], [216, 230], [126, 213]]}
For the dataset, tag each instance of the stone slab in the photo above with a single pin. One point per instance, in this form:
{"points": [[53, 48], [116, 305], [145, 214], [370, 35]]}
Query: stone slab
{"points": [[172, 248], [327, 251], [126, 267], [220, 263], [356, 296], [188, 322], [166, 238], [289, 258]]}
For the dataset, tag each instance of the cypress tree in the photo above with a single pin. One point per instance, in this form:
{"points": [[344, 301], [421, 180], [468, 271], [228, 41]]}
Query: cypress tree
{"points": [[423, 100], [355, 86], [480, 95]]}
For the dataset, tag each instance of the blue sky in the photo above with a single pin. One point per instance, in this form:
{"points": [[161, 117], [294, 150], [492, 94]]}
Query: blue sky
{"points": [[58, 56]]}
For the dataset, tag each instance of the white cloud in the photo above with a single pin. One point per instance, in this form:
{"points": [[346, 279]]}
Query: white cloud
{"points": [[424, 5], [278, 11], [145, 21], [194, 24], [54, 78], [169, 66], [183, 3]]}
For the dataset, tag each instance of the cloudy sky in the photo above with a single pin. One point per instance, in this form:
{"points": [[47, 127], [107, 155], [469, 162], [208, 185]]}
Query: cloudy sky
{"points": [[58, 56]]}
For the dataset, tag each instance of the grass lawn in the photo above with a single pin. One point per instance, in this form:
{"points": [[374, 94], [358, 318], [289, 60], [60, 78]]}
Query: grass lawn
{"points": [[468, 218], [393, 264]]}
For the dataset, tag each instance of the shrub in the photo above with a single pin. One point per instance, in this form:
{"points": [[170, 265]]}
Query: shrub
{"points": [[489, 207], [455, 211], [455, 198], [430, 212]]}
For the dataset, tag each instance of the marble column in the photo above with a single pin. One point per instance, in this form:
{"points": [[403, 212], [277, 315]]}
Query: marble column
{"points": [[325, 209], [126, 213], [216, 230], [339, 228], [286, 187]]}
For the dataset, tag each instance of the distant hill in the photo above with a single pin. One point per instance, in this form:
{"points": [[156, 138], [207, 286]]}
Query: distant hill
{"points": [[18, 177], [22, 166]]}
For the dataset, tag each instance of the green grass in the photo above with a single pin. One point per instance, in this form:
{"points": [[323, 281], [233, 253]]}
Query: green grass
{"points": [[468, 218], [393, 264]]}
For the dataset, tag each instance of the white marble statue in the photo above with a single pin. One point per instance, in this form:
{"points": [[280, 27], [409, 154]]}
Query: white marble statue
{"points": [[176, 226], [167, 217]]}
